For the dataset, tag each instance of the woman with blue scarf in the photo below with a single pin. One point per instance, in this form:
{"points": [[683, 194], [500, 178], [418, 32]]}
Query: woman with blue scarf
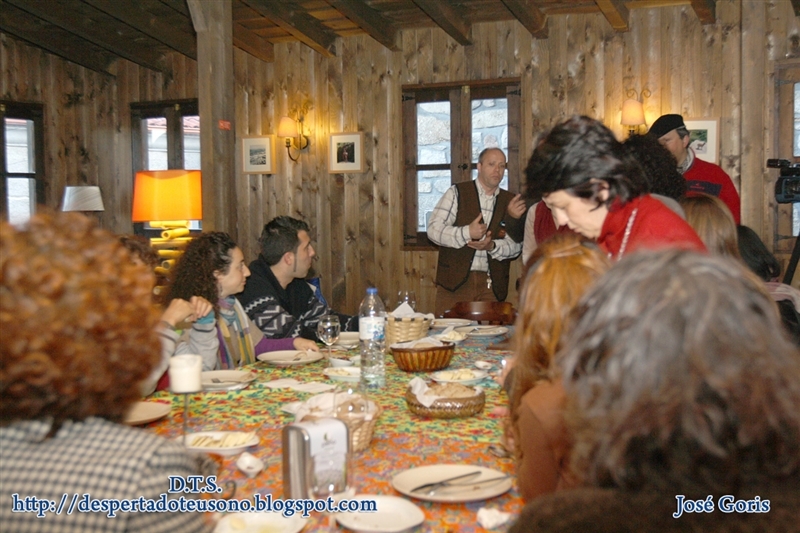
{"points": [[213, 267]]}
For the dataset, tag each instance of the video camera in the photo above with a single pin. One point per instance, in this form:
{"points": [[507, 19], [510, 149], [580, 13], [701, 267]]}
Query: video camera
{"points": [[787, 188]]}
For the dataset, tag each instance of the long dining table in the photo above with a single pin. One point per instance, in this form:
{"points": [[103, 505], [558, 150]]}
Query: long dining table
{"points": [[401, 439]]}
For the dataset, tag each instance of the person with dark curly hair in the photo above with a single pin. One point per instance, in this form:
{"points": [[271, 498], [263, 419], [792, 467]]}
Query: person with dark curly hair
{"points": [[666, 183], [179, 313], [684, 404], [596, 187], [212, 266], [563, 269], [79, 335]]}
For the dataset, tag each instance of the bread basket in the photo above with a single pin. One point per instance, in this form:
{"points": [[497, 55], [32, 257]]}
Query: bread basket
{"points": [[406, 329], [423, 359], [359, 428], [447, 407]]}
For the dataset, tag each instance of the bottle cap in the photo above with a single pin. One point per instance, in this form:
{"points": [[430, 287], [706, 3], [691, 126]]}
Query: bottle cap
{"points": [[372, 290]]}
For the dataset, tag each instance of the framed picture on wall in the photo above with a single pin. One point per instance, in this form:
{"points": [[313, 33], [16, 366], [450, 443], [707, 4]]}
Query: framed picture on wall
{"points": [[346, 153], [258, 154], [704, 135]]}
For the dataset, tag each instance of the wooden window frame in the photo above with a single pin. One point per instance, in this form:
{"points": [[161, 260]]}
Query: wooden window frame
{"points": [[460, 96], [27, 111], [173, 111], [786, 75]]}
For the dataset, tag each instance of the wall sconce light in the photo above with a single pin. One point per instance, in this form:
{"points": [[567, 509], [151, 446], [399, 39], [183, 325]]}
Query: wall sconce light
{"points": [[633, 110], [292, 130], [82, 198]]}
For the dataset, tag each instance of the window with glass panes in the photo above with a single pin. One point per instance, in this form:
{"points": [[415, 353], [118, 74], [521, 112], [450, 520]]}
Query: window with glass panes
{"points": [[445, 128], [21, 160], [167, 136]]}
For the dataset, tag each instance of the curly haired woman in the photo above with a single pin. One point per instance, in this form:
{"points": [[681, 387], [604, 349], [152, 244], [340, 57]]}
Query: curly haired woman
{"points": [[213, 267], [684, 401], [78, 337], [563, 268]]}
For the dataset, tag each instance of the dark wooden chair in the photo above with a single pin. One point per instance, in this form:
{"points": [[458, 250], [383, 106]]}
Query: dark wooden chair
{"points": [[495, 313]]}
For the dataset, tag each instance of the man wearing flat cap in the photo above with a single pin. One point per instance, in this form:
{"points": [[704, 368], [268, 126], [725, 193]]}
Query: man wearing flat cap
{"points": [[700, 176]]}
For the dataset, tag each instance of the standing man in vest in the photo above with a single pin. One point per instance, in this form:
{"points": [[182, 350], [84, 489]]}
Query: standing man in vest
{"points": [[473, 223], [700, 176]]}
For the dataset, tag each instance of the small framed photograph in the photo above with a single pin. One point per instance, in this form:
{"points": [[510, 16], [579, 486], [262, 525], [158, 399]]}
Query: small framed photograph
{"points": [[704, 138], [258, 154], [346, 153]]}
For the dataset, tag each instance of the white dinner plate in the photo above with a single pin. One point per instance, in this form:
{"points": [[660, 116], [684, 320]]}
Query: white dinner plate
{"points": [[230, 450], [406, 481], [257, 522], [392, 516], [146, 412], [441, 323], [464, 376], [483, 331], [289, 357], [227, 379], [347, 339], [344, 373]]}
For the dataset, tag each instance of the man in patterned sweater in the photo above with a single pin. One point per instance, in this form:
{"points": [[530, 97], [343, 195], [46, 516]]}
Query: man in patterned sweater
{"points": [[276, 297]]}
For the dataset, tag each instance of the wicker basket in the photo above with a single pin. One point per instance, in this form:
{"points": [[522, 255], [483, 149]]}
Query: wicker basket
{"points": [[360, 430], [405, 329], [447, 407], [423, 359]]}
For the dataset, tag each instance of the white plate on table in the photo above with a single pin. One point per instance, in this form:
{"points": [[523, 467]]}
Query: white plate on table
{"points": [[344, 373], [289, 357], [226, 379], [406, 481], [441, 323], [393, 515], [256, 522], [347, 339], [218, 436], [464, 376], [483, 331], [146, 412]]}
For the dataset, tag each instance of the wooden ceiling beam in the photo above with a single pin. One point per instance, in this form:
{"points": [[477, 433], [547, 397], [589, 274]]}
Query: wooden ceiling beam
{"points": [[21, 25], [94, 29], [303, 27], [376, 25], [161, 29], [178, 5], [616, 13], [253, 43], [446, 17], [530, 16], [707, 10]]}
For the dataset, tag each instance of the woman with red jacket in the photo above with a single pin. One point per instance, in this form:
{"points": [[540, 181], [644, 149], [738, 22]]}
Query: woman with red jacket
{"points": [[592, 184]]}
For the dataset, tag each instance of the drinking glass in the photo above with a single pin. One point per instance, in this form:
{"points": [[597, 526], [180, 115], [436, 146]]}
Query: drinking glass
{"points": [[408, 297], [328, 329], [326, 478]]}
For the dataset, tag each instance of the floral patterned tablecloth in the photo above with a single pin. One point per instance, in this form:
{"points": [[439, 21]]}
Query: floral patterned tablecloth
{"points": [[401, 439]]}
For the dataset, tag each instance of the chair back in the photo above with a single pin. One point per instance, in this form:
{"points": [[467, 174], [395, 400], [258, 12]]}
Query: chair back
{"points": [[495, 313]]}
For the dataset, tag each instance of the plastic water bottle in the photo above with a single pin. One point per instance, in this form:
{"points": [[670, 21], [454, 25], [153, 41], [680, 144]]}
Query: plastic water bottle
{"points": [[372, 336]]}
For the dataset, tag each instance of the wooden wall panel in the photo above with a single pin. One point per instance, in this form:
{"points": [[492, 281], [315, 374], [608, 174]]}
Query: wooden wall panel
{"points": [[723, 70]]}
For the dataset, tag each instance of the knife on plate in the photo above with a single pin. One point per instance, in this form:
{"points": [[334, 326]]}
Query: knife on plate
{"points": [[446, 481]]}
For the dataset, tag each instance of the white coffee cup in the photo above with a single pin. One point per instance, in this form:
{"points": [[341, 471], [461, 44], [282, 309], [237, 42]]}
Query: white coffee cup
{"points": [[184, 373]]}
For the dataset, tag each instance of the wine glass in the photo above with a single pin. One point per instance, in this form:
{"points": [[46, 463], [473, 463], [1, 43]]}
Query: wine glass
{"points": [[408, 297], [326, 476], [328, 329]]}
